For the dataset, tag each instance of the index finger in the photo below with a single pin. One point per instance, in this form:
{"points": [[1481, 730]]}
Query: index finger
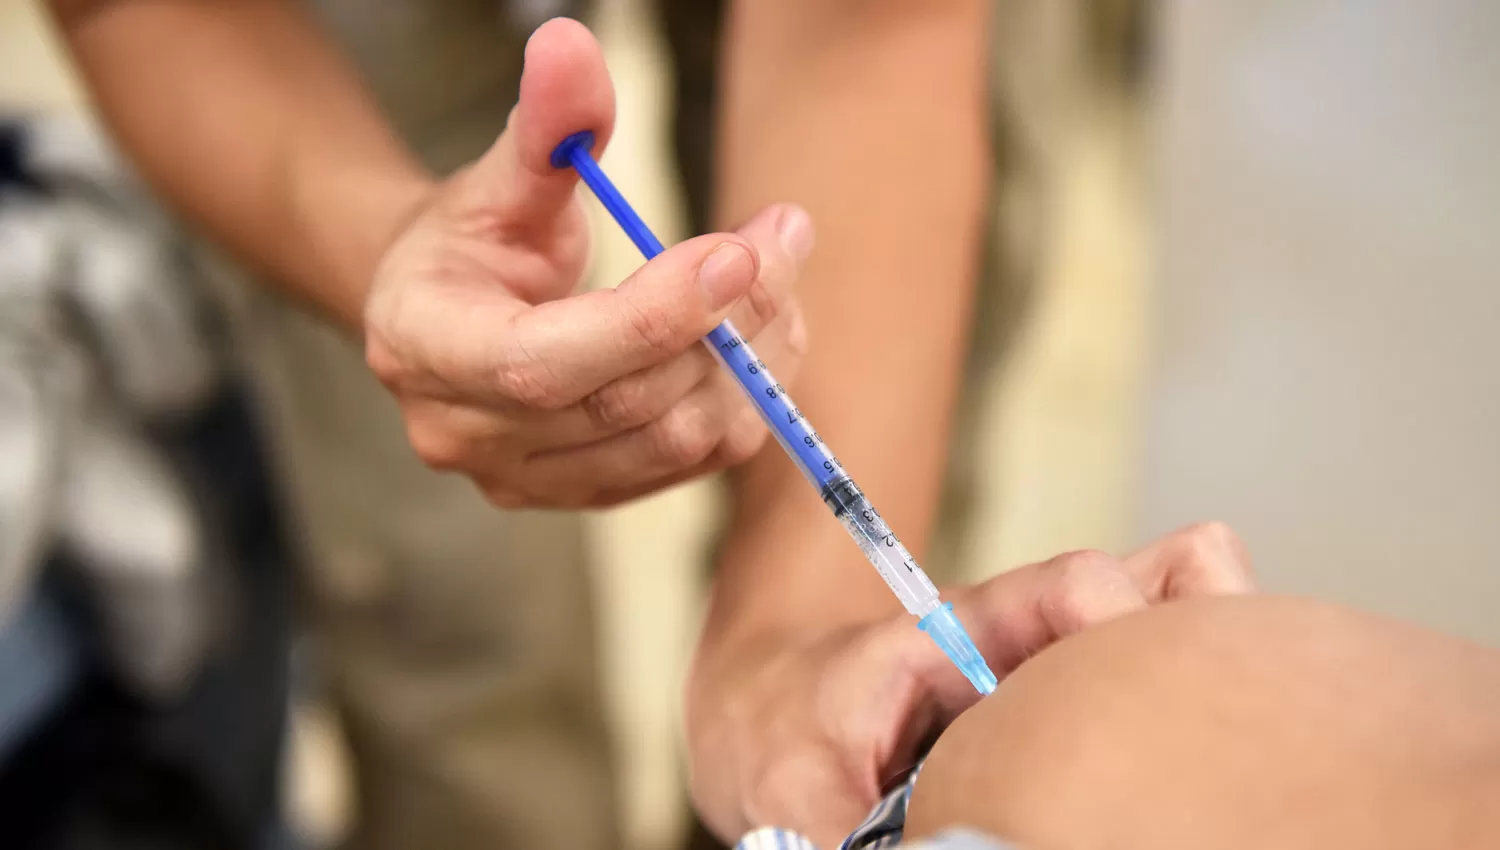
{"points": [[554, 354]]}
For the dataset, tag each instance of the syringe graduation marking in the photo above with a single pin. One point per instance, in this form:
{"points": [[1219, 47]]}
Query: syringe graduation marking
{"points": [[851, 506], [838, 490], [792, 429]]}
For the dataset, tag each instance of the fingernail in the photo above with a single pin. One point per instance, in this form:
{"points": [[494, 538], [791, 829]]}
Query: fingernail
{"points": [[796, 233], [725, 274]]}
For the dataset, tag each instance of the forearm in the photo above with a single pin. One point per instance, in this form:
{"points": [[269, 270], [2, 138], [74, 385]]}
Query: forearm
{"points": [[247, 121], [873, 117]]}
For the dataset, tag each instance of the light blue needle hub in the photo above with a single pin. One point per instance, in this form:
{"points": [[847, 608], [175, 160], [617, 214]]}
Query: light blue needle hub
{"points": [[950, 636]]}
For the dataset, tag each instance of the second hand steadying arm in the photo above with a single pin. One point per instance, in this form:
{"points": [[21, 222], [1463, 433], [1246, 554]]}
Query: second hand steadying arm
{"points": [[819, 96], [248, 120]]}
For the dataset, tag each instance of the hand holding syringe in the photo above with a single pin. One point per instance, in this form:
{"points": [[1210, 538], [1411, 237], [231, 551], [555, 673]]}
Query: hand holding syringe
{"points": [[803, 445]]}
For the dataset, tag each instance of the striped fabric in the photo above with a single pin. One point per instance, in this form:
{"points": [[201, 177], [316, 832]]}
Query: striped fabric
{"points": [[882, 830], [772, 838]]}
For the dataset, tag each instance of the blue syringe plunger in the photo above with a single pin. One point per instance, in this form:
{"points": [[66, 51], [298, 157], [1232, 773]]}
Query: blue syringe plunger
{"points": [[944, 629], [562, 155]]}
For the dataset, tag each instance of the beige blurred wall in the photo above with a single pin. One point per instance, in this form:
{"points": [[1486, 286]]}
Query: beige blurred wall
{"points": [[1328, 373], [31, 74]]}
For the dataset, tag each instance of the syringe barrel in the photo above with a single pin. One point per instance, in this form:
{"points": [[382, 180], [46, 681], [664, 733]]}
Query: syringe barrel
{"points": [[770, 398], [811, 455]]}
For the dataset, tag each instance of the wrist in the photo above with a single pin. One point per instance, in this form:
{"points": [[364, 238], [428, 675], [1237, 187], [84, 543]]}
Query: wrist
{"points": [[351, 218], [809, 581], [403, 199], [392, 206]]}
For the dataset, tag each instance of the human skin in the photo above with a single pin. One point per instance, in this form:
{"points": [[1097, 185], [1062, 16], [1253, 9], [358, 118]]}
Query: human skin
{"points": [[875, 118], [1254, 723]]}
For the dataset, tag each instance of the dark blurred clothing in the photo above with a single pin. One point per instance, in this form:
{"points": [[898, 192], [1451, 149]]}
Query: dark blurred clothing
{"points": [[106, 769], [145, 619]]}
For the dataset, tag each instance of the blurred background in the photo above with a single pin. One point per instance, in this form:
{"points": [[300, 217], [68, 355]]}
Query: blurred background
{"points": [[1264, 293]]}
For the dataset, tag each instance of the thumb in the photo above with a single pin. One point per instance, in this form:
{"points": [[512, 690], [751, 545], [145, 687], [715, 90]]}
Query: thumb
{"points": [[565, 89], [1020, 612]]}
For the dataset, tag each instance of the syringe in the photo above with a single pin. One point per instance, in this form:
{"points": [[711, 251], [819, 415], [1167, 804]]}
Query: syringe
{"points": [[802, 443]]}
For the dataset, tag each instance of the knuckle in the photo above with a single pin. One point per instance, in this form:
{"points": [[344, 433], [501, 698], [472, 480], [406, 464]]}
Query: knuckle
{"points": [[654, 331], [383, 362], [505, 498], [390, 360], [531, 384], [763, 302], [1214, 547], [1081, 568], [685, 436], [437, 446], [620, 404], [387, 343], [1212, 537], [1078, 580]]}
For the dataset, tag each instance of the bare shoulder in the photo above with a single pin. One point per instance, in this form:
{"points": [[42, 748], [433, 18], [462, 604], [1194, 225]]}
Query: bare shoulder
{"points": [[1204, 723]]}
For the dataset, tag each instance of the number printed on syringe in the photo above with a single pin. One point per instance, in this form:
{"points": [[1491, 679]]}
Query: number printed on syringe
{"points": [[884, 550]]}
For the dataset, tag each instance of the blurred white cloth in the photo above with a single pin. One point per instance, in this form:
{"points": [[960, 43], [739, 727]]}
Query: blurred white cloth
{"points": [[101, 337]]}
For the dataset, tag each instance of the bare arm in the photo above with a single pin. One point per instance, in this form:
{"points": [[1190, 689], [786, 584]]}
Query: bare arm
{"points": [[873, 117], [246, 119]]}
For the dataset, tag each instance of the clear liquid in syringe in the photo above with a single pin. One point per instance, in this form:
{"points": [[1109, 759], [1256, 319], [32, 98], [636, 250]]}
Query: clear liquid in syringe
{"points": [[881, 546]]}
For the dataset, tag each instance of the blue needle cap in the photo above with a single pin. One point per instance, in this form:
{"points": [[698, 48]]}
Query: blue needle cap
{"points": [[949, 635]]}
